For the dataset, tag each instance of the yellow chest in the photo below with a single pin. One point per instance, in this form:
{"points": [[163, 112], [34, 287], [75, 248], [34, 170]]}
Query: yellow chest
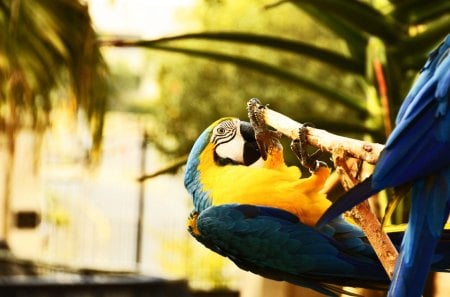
{"points": [[279, 187]]}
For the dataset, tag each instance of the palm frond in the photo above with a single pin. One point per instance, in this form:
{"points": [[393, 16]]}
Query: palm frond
{"points": [[46, 45]]}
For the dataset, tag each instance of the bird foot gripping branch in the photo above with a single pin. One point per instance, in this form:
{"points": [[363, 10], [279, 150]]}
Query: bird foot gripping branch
{"points": [[340, 148], [321, 139], [298, 146], [267, 140]]}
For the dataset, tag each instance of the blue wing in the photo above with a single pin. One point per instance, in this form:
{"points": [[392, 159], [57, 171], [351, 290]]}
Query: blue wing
{"points": [[417, 151], [274, 244], [429, 212], [420, 143], [441, 257]]}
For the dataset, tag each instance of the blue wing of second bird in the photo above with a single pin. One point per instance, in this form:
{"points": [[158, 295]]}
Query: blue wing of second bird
{"points": [[420, 143]]}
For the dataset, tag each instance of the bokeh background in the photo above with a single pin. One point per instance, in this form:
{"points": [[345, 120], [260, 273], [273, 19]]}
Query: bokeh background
{"points": [[101, 100]]}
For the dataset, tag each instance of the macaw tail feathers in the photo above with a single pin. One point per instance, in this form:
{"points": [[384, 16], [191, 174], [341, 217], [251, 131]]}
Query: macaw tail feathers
{"points": [[429, 212], [409, 278], [354, 196]]}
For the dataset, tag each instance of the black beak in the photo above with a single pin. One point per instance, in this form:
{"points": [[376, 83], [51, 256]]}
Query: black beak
{"points": [[251, 149]]}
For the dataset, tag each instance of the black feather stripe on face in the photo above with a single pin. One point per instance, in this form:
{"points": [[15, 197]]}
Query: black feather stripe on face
{"points": [[224, 161], [235, 143], [228, 144], [224, 132]]}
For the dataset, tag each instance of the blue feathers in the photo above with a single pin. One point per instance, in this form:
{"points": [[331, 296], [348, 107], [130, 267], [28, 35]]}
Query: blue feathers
{"points": [[429, 212], [192, 175], [419, 145], [273, 243], [417, 151]]}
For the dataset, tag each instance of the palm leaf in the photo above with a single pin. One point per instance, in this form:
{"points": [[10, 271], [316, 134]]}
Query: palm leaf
{"points": [[417, 12], [308, 83], [323, 55], [355, 39], [40, 43], [423, 42], [359, 15]]}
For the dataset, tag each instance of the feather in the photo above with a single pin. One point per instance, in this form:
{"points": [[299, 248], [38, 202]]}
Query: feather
{"points": [[276, 245], [417, 152]]}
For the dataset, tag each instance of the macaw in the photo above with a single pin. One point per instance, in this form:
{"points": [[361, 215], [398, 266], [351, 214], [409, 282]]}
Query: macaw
{"points": [[417, 152], [259, 213]]}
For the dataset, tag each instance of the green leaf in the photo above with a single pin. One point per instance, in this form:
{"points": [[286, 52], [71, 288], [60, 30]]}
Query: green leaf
{"points": [[417, 12], [308, 83], [359, 15], [422, 43], [294, 46], [47, 45], [355, 39]]}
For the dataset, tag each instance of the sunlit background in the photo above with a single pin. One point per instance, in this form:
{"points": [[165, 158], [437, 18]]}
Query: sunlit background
{"points": [[70, 205], [90, 216]]}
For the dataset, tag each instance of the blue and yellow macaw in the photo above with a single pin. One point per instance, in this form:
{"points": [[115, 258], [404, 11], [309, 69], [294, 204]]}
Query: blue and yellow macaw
{"points": [[417, 152], [259, 213]]}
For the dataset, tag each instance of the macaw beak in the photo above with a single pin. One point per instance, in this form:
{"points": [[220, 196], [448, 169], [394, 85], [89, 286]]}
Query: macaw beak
{"points": [[251, 149]]}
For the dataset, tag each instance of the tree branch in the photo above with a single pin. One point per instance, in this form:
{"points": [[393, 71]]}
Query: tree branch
{"points": [[321, 139], [366, 219], [341, 148]]}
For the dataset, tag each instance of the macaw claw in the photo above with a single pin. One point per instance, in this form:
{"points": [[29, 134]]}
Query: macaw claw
{"points": [[298, 146], [254, 109], [265, 138]]}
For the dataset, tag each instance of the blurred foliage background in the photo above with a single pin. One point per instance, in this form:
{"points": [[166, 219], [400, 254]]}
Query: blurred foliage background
{"points": [[343, 65], [305, 58], [49, 53], [248, 64], [312, 60]]}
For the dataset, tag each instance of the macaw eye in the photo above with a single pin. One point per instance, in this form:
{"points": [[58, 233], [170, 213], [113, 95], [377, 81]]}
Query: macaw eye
{"points": [[220, 130], [224, 132]]}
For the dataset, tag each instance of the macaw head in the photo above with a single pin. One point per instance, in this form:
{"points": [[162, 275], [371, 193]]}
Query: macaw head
{"points": [[227, 141]]}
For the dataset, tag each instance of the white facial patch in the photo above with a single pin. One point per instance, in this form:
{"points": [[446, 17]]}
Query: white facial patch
{"points": [[233, 149]]}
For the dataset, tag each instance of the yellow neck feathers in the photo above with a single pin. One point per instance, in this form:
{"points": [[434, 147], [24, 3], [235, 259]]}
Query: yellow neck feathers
{"points": [[274, 185]]}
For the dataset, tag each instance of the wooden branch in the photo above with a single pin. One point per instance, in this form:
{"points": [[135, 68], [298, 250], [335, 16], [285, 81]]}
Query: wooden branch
{"points": [[341, 148], [380, 241], [172, 166], [366, 219], [321, 139]]}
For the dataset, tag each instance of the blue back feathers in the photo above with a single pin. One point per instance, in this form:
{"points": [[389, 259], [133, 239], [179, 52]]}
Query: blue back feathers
{"points": [[273, 243], [192, 175]]}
